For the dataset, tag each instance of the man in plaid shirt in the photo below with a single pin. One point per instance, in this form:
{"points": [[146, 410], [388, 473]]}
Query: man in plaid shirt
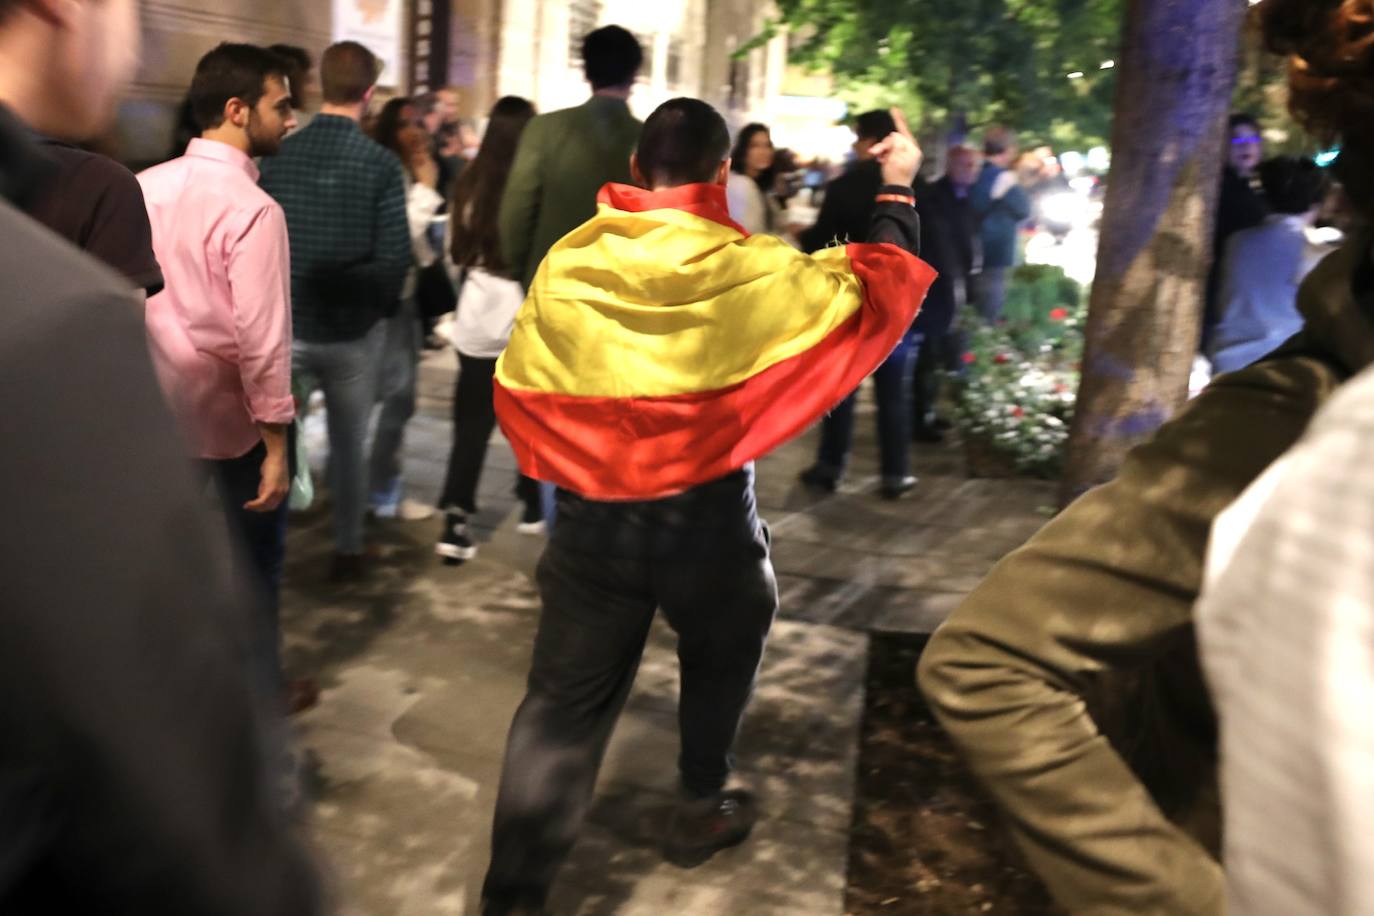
{"points": [[344, 198]]}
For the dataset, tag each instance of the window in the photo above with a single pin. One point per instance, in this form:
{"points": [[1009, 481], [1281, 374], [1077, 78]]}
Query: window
{"points": [[583, 15], [675, 61]]}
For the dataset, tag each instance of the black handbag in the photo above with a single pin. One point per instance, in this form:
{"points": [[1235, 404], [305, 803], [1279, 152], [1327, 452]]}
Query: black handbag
{"points": [[434, 292]]}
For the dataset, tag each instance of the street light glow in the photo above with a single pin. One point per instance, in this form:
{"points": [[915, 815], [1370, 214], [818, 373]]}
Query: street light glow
{"points": [[1107, 65], [1076, 75]]}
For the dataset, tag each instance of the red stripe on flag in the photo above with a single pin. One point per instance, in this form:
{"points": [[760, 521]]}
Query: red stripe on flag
{"points": [[647, 448]]}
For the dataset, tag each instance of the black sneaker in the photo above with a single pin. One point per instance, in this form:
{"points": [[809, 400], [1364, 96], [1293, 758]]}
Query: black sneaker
{"points": [[896, 489], [532, 520], [817, 479], [702, 827], [455, 545], [927, 434]]}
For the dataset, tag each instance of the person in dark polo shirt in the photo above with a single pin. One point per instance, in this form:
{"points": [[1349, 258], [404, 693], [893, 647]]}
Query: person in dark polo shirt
{"points": [[134, 769], [96, 204]]}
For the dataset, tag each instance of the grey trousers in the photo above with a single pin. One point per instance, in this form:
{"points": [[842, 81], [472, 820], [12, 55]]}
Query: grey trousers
{"points": [[346, 371], [396, 393]]}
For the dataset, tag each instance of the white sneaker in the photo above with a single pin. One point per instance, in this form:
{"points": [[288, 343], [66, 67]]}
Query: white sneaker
{"points": [[533, 529], [411, 510]]}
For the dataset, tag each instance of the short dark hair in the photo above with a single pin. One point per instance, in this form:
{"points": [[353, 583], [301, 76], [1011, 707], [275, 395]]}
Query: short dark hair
{"points": [[231, 71], [1292, 184], [998, 140], [298, 64], [683, 142], [1242, 119], [874, 125], [347, 71], [611, 56]]}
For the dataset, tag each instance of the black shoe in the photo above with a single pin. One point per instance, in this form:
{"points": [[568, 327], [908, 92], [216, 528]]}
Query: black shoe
{"points": [[455, 546], [927, 434], [353, 567], [897, 489], [702, 827], [941, 424], [817, 479]]}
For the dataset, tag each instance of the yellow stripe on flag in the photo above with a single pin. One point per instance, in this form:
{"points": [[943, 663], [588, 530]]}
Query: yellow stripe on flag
{"points": [[664, 302]]}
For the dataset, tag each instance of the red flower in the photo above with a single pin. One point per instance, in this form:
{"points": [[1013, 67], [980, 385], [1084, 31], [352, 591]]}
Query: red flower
{"points": [[970, 359], [1058, 314], [1001, 358], [1017, 412]]}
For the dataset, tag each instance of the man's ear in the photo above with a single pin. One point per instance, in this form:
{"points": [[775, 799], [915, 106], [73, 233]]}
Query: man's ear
{"points": [[236, 112], [636, 174], [723, 174], [367, 96]]}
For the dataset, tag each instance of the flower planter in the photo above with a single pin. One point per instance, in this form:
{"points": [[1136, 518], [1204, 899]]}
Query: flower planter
{"points": [[983, 460]]}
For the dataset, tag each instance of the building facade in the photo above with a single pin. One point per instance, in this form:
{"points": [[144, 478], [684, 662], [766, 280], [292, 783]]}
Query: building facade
{"points": [[485, 48]]}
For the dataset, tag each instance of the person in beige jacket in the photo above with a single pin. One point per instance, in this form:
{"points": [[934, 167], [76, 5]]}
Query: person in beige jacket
{"points": [[1069, 678]]}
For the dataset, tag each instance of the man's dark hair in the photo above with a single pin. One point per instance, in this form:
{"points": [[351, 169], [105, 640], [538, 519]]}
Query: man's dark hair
{"points": [[874, 125], [347, 71], [231, 71], [299, 63], [611, 57], [1292, 184], [1241, 119], [998, 140], [683, 142]]}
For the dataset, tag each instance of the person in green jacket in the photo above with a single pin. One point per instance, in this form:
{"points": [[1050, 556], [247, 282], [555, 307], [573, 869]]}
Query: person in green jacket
{"points": [[565, 157], [1070, 678]]}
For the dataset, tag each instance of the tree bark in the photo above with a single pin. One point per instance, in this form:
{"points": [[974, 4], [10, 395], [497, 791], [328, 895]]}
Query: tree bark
{"points": [[1177, 70]]}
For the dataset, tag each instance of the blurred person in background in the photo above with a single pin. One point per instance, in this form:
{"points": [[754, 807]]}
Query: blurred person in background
{"points": [[400, 130], [135, 771], [1240, 205], [1264, 265], [565, 157], [344, 196], [1002, 205], [489, 298], [949, 243], [750, 193], [845, 217]]}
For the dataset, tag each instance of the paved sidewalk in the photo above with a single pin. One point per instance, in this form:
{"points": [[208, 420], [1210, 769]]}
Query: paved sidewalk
{"points": [[423, 667]]}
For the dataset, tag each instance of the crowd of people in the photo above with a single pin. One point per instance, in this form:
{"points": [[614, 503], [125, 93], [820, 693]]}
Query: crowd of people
{"points": [[164, 333]]}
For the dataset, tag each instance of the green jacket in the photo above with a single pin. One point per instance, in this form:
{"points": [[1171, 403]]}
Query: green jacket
{"points": [[1069, 678], [563, 160]]}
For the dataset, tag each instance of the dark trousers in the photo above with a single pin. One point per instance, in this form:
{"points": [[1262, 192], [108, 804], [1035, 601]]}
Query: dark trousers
{"points": [[932, 361], [892, 388], [474, 417], [597, 608], [262, 535]]}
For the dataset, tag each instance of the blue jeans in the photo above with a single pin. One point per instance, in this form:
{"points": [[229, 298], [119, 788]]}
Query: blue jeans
{"points": [[892, 386], [992, 293], [396, 391], [347, 373]]}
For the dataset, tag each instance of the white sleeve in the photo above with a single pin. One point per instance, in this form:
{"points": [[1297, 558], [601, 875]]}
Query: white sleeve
{"points": [[422, 205]]}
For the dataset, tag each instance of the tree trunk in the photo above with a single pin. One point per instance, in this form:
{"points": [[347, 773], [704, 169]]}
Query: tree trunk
{"points": [[1177, 69]]}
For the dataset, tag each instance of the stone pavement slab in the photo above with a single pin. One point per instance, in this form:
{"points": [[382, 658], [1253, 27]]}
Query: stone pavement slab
{"points": [[423, 665]]}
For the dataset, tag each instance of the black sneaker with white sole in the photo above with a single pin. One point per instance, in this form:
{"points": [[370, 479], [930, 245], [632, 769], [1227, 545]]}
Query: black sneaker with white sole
{"points": [[455, 544]]}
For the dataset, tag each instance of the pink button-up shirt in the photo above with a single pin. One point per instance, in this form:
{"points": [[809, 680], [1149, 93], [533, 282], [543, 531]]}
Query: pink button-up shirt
{"points": [[220, 332]]}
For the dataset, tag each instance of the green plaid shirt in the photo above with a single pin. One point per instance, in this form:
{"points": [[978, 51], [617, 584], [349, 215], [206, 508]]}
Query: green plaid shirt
{"points": [[345, 204]]}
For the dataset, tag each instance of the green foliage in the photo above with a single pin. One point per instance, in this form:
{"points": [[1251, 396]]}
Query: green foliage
{"points": [[971, 61], [1015, 394]]}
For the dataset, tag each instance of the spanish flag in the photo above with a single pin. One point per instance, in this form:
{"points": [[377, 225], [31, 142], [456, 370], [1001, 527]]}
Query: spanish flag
{"points": [[661, 346]]}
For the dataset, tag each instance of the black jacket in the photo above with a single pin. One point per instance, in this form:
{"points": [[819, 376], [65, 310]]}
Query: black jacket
{"points": [[949, 243], [847, 209]]}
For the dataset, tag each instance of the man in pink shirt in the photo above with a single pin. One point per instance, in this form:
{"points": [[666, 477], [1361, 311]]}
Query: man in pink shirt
{"points": [[220, 332]]}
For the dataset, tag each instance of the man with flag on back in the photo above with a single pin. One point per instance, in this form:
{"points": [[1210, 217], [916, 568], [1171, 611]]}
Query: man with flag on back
{"points": [[660, 351]]}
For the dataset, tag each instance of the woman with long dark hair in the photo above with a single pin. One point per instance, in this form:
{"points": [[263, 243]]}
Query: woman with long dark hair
{"points": [[750, 191], [398, 128], [487, 304]]}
